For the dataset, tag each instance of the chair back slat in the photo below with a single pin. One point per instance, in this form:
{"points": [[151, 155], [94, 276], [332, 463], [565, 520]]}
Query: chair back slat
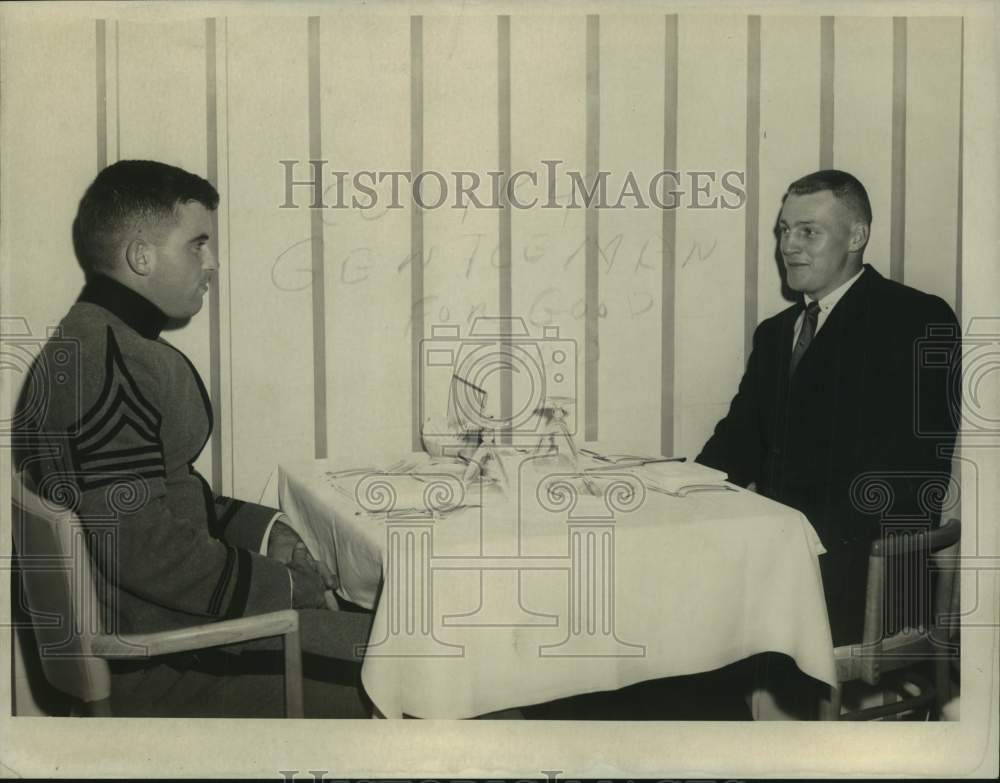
{"points": [[66, 613], [908, 599]]}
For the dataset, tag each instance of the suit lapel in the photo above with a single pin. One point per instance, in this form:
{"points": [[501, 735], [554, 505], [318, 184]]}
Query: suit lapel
{"points": [[846, 321]]}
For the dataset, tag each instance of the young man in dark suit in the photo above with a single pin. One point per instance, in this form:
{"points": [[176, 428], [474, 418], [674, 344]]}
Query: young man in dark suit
{"points": [[836, 405]]}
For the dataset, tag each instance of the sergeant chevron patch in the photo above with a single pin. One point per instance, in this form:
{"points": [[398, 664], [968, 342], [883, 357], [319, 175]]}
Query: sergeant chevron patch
{"points": [[121, 432]]}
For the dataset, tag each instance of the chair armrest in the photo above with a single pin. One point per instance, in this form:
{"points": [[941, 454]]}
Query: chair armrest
{"points": [[197, 637], [937, 539]]}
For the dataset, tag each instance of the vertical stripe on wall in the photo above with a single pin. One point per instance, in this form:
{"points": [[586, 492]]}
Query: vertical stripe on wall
{"points": [[229, 279], [504, 239], [416, 225], [318, 248], [117, 106], [108, 116], [212, 165], [668, 236], [961, 130], [102, 94], [826, 70], [592, 291], [897, 231], [752, 184]]}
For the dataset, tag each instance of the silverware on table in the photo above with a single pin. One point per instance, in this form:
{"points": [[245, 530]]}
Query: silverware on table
{"points": [[684, 491]]}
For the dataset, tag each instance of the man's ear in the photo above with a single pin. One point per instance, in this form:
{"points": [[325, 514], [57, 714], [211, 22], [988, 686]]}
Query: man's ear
{"points": [[859, 237], [138, 256]]}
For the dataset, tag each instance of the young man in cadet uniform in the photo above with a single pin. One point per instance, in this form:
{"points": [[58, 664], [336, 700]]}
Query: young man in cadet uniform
{"points": [[121, 439]]}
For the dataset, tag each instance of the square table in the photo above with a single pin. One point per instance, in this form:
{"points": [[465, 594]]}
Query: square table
{"points": [[546, 591]]}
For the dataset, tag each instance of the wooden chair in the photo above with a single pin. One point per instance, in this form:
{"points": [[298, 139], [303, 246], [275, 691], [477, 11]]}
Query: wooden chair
{"points": [[897, 564], [63, 602]]}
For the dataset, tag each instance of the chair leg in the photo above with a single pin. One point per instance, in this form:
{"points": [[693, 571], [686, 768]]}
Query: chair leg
{"points": [[889, 697], [942, 682], [293, 675], [829, 708], [97, 709]]}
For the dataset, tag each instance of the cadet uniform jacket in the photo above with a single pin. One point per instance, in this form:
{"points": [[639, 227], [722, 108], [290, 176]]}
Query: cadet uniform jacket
{"points": [[110, 423]]}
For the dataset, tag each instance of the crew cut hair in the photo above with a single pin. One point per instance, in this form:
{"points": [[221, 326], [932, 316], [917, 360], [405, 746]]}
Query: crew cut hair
{"points": [[127, 195], [845, 187]]}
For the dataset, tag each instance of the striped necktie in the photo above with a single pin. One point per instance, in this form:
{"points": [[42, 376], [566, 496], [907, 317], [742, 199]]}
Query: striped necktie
{"points": [[806, 334]]}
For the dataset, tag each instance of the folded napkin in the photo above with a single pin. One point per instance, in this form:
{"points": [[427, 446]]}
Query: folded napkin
{"points": [[679, 477]]}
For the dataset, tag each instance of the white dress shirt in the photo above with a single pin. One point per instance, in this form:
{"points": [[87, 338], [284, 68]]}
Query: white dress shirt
{"points": [[826, 305]]}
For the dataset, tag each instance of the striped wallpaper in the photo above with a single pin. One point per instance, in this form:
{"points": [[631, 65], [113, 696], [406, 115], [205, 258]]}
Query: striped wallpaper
{"points": [[311, 344]]}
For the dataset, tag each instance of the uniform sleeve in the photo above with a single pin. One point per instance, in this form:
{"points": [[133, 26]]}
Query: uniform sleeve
{"points": [[242, 523], [115, 453], [172, 561], [736, 446]]}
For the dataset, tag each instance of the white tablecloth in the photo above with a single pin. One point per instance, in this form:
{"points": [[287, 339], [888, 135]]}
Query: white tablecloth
{"points": [[517, 601]]}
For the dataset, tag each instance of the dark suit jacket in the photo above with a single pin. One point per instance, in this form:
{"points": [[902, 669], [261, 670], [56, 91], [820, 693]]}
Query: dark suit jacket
{"points": [[856, 435]]}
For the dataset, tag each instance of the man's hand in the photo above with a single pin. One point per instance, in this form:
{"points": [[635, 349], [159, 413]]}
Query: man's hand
{"points": [[285, 546], [308, 589], [281, 543], [301, 556]]}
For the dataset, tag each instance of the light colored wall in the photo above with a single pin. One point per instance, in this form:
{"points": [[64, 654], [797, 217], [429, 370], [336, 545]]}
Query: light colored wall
{"points": [[164, 82]]}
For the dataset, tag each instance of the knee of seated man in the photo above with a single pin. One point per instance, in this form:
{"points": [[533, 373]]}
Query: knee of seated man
{"points": [[322, 633]]}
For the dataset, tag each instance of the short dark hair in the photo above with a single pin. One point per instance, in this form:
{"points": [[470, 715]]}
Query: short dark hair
{"points": [[127, 193], [845, 187]]}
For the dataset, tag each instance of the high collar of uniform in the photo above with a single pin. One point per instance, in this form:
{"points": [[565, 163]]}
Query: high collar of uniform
{"points": [[131, 307]]}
